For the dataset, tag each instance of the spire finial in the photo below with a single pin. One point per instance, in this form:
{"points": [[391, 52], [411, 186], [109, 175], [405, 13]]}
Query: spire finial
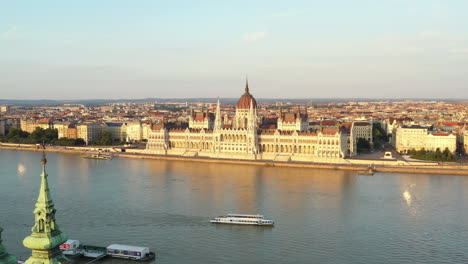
{"points": [[43, 160], [246, 84]]}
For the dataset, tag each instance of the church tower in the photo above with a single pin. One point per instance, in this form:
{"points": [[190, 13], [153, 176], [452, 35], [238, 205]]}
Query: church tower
{"points": [[46, 236], [5, 258]]}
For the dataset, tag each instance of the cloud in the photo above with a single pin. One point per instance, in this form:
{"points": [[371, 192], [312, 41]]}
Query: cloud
{"points": [[254, 36], [10, 34]]}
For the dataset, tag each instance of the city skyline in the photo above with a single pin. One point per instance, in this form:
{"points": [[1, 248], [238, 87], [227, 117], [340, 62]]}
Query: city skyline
{"points": [[300, 49]]}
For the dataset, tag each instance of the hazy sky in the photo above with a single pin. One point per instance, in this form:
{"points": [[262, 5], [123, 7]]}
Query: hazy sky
{"points": [[289, 49]]}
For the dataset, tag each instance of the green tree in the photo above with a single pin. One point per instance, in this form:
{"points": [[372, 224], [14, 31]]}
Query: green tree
{"points": [[447, 155], [40, 135], [69, 142], [377, 145], [106, 138], [15, 136], [378, 133], [37, 136], [80, 142], [422, 152], [363, 145], [438, 154]]}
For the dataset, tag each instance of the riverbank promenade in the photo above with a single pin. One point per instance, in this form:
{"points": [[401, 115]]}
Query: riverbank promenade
{"points": [[398, 165]]}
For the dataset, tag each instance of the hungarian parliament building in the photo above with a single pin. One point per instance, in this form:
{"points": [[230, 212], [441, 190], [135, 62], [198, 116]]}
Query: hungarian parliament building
{"points": [[213, 136]]}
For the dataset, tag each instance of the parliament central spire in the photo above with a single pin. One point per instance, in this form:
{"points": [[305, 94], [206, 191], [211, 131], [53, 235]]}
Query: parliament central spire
{"points": [[246, 85]]}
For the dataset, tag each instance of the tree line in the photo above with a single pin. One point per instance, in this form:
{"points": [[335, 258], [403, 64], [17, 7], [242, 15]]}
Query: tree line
{"points": [[437, 155], [39, 136]]}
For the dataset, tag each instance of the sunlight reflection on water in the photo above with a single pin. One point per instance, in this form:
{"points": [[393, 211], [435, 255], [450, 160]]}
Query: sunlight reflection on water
{"points": [[407, 197], [21, 169]]}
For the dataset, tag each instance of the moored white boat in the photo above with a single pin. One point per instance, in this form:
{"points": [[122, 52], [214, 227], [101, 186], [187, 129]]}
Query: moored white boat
{"points": [[98, 156], [73, 248], [243, 219], [130, 252]]}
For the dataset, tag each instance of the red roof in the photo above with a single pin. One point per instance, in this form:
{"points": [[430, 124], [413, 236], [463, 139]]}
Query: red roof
{"points": [[289, 117], [270, 126], [199, 117], [330, 131], [451, 123], [246, 100], [324, 123]]}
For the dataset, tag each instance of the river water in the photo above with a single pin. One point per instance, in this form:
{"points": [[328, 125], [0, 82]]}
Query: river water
{"points": [[322, 216]]}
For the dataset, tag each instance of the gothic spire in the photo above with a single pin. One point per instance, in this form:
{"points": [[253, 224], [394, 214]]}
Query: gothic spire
{"points": [[46, 236], [218, 117], [246, 85], [5, 258]]}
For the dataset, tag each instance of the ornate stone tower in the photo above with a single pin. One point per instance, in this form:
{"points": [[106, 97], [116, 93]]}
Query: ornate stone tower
{"points": [[243, 107], [5, 258], [46, 236], [218, 119], [252, 136]]}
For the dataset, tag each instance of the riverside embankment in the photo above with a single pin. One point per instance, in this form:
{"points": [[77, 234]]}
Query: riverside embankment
{"points": [[422, 169], [353, 165]]}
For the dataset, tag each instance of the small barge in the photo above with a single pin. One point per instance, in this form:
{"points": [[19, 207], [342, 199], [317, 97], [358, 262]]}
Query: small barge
{"points": [[73, 249], [130, 252], [370, 171], [243, 219], [98, 156]]}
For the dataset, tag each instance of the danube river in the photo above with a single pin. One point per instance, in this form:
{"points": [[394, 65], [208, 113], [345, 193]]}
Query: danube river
{"points": [[322, 216]]}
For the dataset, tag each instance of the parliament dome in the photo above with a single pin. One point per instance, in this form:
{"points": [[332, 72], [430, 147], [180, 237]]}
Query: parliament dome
{"points": [[246, 99]]}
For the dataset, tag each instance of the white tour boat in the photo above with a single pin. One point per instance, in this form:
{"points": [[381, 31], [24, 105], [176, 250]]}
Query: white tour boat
{"points": [[243, 219], [98, 156]]}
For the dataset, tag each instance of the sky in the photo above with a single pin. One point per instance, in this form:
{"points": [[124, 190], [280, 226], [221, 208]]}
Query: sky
{"points": [[115, 49]]}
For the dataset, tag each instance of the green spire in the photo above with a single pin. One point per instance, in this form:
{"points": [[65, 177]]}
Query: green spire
{"points": [[46, 236], [5, 258]]}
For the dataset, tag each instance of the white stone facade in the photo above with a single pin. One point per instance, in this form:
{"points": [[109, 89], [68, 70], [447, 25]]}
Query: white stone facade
{"points": [[134, 131], [62, 128], [465, 141], [293, 121], [243, 140], [416, 137], [363, 130], [407, 138], [89, 132], [441, 141], [4, 108], [201, 120], [118, 131]]}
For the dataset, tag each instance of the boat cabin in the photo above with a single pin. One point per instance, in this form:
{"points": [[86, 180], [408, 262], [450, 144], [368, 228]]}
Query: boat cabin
{"points": [[127, 252], [70, 247]]}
